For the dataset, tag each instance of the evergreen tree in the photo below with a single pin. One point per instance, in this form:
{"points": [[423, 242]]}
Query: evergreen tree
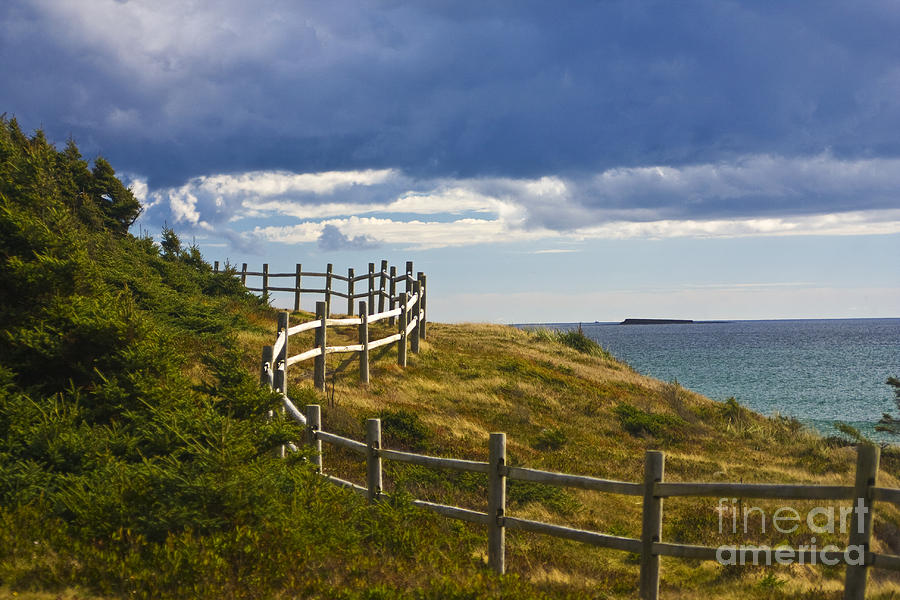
{"points": [[119, 206]]}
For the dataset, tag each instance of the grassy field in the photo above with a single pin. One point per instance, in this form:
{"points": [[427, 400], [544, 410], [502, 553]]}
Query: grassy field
{"points": [[568, 406]]}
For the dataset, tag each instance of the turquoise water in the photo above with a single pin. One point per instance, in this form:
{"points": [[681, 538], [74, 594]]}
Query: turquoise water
{"points": [[819, 371]]}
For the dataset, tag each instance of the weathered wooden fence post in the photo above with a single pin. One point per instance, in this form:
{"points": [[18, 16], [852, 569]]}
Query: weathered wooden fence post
{"points": [[266, 376], [350, 299], [651, 527], [298, 279], [401, 343], [414, 343], [265, 286], [281, 360], [328, 270], [244, 275], [319, 368], [364, 340], [867, 459], [371, 288], [313, 425], [393, 293], [409, 270], [381, 285], [424, 290], [373, 460], [497, 503]]}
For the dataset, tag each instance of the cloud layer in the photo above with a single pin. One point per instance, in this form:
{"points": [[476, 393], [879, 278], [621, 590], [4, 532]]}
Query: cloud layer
{"points": [[755, 195], [331, 239], [435, 124], [174, 90]]}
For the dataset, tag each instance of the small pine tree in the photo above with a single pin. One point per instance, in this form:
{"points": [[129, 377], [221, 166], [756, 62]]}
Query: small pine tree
{"points": [[170, 244]]}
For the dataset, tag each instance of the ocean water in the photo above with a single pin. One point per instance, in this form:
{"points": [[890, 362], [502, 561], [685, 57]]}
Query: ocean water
{"points": [[819, 371]]}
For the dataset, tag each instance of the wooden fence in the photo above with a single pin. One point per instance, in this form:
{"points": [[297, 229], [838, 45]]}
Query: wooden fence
{"points": [[653, 489], [375, 294], [408, 309]]}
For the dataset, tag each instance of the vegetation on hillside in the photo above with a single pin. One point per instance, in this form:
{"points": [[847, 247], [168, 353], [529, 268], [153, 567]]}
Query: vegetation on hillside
{"points": [[137, 458]]}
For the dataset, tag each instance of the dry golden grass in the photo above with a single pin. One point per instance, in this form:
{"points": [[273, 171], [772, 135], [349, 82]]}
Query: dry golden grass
{"points": [[469, 380]]}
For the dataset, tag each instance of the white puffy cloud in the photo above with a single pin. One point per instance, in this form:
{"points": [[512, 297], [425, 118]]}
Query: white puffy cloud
{"points": [[408, 234], [281, 183], [751, 196], [847, 223]]}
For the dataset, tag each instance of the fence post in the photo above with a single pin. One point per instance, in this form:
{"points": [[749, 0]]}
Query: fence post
{"points": [[393, 293], [314, 424], [381, 284], [415, 331], [244, 275], [350, 274], [371, 288], [298, 276], [861, 528], [328, 270], [319, 365], [265, 280], [497, 503], [364, 340], [373, 459], [280, 361], [651, 528], [409, 270], [424, 290], [401, 344], [265, 370]]}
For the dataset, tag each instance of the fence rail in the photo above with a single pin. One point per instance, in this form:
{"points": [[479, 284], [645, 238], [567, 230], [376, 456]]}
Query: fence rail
{"points": [[407, 309], [376, 295], [649, 546]]}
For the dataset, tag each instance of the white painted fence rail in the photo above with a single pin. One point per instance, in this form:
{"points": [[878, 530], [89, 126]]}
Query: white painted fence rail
{"points": [[409, 306]]}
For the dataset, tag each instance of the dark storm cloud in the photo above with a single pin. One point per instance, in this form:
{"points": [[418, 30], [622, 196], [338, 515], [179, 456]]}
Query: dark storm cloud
{"points": [[332, 239], [173, 90]]}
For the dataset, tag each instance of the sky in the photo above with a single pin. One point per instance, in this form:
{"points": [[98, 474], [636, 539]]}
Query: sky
{"points": [[540, 161]]}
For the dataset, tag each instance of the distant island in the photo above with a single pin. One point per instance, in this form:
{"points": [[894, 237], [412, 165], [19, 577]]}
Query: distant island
{"points": [[655, 321]]}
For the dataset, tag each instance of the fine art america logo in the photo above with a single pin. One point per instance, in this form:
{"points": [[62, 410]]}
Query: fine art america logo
{"points": [[820, 520]]}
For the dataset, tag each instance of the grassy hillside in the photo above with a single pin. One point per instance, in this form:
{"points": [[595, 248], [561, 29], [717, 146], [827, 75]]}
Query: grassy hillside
{"points": [[136, 458], [568, 406]]}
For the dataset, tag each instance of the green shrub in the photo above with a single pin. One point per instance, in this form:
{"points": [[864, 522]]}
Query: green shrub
{"points": [[404, 429], [550, 439], [638, 422]]}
